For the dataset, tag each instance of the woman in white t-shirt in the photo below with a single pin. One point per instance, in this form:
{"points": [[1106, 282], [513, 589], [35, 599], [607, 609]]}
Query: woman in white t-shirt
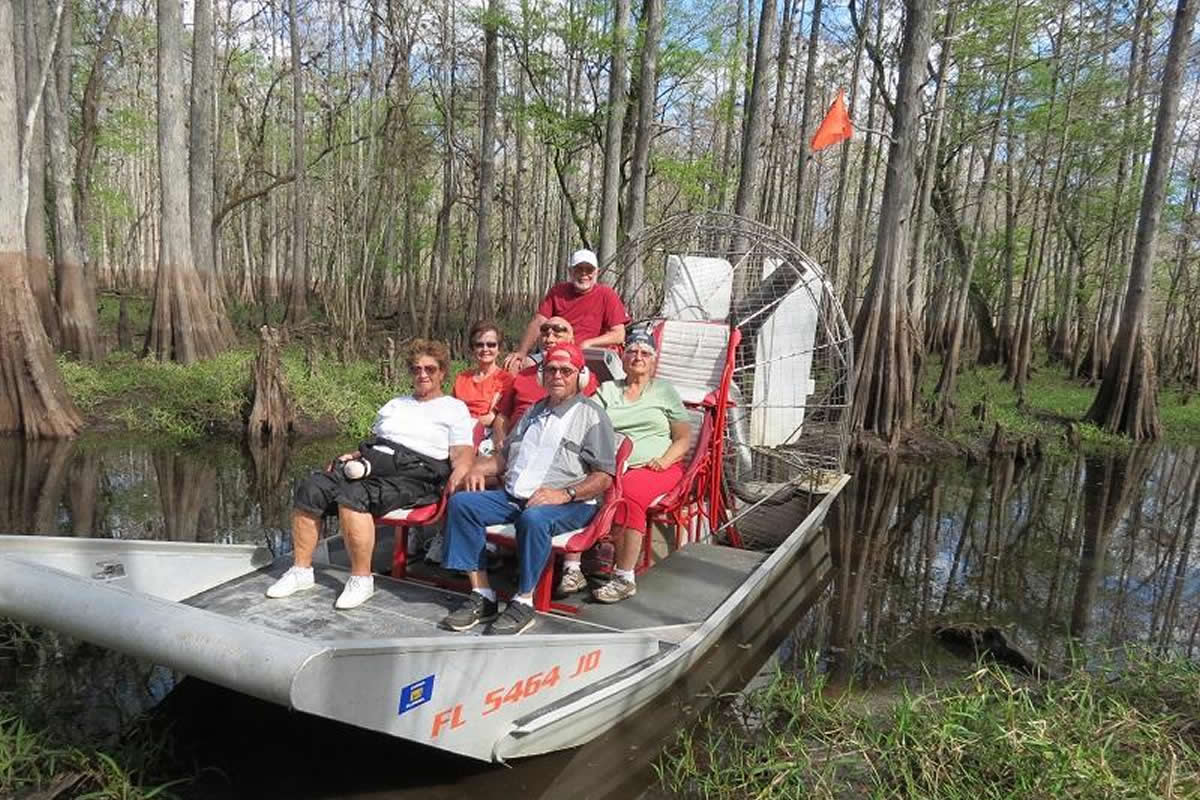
{"points": [[420, 443]]}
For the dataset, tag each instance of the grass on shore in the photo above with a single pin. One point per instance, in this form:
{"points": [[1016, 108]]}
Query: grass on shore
{"points": [[1051, 400], [31, 764], [124, 392], [188, 402], [1133, 732]]}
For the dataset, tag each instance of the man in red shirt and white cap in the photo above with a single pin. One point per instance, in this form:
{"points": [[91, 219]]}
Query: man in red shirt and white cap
{"points": [[593, 309]]}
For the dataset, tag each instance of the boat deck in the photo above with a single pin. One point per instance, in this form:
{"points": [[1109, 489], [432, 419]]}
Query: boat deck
{"points": [[675, 595]]}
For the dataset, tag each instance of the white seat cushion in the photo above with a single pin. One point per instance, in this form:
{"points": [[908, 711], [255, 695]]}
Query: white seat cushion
{"points": [[691, 356], [509, 532], [405, 514]]}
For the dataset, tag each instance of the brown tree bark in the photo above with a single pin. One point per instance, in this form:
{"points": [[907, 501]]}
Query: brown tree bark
{"points": [[652, 22], [35, 59], [948, 380], [183, 326], [611, 184], [33, 399], [80, 325], [916, 288], [89, 116], [883, 396], [481, 303], [800, 232], [297, 303], [756, 112], [271, 413], [1127, 401], [200, 166]]}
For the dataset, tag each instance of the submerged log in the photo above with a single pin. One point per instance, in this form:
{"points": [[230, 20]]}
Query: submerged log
{"points": [[986, 643], [271, 414]]}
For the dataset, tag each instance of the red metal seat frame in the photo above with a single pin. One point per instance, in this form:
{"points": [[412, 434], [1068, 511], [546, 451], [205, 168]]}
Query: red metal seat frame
{"points": [[402, 519], [700, 495], [577, 541]]}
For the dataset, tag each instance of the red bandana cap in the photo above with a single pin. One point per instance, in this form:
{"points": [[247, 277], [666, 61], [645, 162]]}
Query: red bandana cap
{"points": [[566, 352]]}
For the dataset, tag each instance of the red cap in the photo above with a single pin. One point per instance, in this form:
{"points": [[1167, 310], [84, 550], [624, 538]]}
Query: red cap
{"points": [[566, 352]]}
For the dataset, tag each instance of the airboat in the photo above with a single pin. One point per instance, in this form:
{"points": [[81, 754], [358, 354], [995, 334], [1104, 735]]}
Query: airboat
{"points": [[751, 334]]}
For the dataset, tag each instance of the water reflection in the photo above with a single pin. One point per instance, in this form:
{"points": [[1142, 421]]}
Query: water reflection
{"points": [[1066, 555], [123, 488]]}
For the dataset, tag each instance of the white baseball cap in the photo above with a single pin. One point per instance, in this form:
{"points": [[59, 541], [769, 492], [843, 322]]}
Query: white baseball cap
{"points": [[583, 257]]}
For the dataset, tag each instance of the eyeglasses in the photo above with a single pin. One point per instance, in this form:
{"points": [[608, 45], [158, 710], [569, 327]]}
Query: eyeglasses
{"points": [[423, 369], [556, 328], [488, 345], [566, 372], [640, 351]]}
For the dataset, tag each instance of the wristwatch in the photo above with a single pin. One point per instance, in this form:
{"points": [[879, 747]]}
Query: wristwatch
{"points": [[571, 493]]}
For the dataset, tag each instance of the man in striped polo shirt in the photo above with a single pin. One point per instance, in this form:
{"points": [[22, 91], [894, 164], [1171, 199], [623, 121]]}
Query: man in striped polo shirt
{"points": [[556, 465]]}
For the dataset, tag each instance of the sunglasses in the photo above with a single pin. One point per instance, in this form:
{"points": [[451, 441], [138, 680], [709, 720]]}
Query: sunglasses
{"points": [[566, 372], [556, 328], [423, 369], [583, 268], [488, 345]]}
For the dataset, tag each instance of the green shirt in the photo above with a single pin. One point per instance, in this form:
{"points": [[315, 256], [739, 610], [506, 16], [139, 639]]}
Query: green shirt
{"points": [[647, 420]]}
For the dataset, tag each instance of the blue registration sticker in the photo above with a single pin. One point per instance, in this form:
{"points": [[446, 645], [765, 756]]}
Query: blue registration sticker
{"points": [[416, 694]]}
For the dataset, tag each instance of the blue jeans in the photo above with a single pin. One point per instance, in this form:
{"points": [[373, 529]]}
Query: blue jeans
{"points": [[470, 512]]}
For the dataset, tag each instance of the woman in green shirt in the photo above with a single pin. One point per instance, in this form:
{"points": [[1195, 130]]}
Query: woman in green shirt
{"points": [[651, 414]]}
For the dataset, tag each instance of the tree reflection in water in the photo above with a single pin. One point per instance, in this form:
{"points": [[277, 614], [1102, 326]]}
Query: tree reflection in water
{"points": [[1093, 552]]}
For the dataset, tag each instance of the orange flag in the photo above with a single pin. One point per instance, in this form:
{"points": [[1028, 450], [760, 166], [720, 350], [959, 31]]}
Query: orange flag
{"points": [[835, 127]]}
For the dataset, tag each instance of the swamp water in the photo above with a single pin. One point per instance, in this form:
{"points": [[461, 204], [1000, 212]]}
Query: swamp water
{"points": [[1068, 558]]}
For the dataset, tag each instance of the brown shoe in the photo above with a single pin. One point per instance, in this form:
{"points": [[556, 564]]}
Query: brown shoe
{"points": [[615, 591], [572, 581]]}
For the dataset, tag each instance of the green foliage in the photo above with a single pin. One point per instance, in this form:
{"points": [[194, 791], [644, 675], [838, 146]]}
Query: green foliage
{"points": [[1051, 400], [31, 762], [1126, 731], [212, 396]]}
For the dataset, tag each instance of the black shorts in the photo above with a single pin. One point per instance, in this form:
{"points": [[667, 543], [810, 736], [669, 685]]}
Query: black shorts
{"points": [[322, 492]]}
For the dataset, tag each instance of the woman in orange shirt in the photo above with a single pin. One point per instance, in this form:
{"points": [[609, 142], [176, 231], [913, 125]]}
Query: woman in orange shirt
{"points": [[481, 386]]}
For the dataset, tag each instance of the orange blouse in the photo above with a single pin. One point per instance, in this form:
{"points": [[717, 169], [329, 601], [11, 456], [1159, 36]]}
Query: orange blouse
{"points": [[480, 396]]}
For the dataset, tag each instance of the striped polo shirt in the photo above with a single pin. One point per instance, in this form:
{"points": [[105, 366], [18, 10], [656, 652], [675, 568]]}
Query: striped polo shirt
{"points": [[557, 447]]}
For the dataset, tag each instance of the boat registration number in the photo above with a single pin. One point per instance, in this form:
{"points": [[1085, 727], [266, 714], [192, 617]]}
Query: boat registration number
{"points": [[521, 690]]}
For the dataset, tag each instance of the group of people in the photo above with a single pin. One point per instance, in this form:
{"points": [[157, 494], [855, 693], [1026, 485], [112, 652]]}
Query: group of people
{"points": [[532, 444]]}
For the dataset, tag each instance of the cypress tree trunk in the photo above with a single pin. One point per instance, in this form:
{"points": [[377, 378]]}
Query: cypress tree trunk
{"points": [[481, 303], [200, 165], [37, 251], [883, 397], [182, 324], [800, 232], [652, 19], [611, 188], [33, 399], [297, 303], [1127, 401], [756, 110], [76, 299]]}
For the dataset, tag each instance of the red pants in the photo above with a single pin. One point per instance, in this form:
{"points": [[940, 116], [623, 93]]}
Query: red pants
{"points": [[641, 486]]}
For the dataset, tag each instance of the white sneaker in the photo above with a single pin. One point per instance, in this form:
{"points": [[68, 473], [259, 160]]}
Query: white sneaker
{"points": [[296, 579], [358, 591], [433, 553]]}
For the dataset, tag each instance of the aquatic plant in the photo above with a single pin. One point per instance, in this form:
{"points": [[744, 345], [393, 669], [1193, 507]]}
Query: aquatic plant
{"points": [[1132, 731]]}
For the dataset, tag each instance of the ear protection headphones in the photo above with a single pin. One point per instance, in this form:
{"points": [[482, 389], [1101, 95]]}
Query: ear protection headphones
{"points": [[581, 380]]}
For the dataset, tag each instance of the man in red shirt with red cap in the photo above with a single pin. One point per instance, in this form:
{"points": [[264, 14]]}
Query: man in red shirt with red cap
{"points": [[593, 309], [526, 389]]}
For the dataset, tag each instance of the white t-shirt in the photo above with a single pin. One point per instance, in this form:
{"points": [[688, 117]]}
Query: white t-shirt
{"points": [[431, 427]]}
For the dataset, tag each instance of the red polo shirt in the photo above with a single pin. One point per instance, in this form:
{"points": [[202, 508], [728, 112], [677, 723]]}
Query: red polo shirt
{"points": [[591, 314], [525, 390]]}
